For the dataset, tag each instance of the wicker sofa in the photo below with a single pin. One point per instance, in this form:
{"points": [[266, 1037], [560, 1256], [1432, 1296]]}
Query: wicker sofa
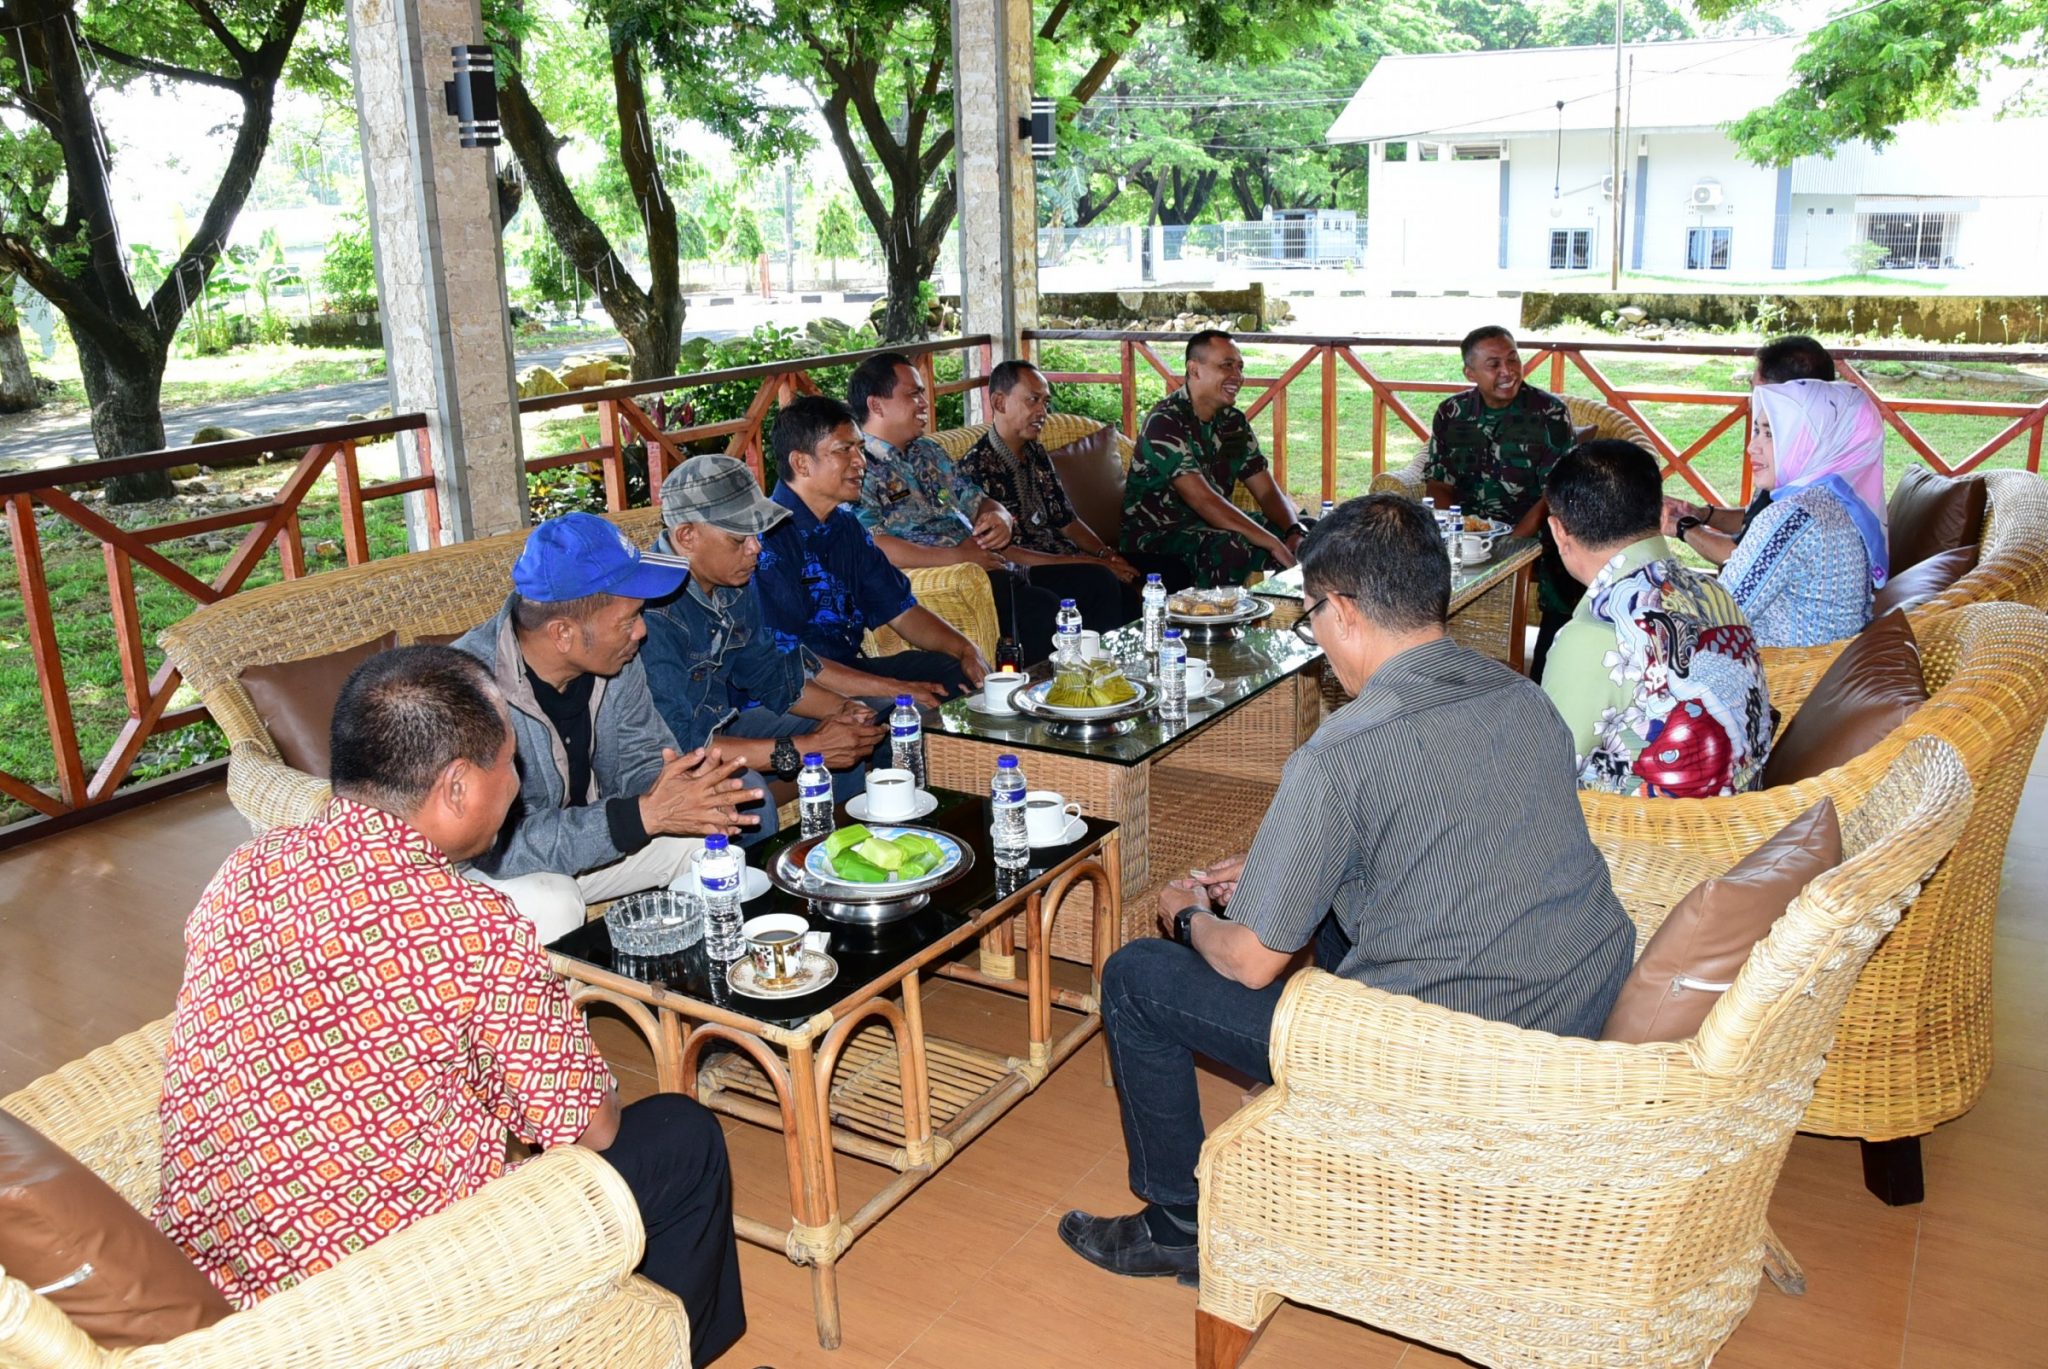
{"points": [[536, 1269], [1914, 1046], [430, 593], [1523, 1199]]}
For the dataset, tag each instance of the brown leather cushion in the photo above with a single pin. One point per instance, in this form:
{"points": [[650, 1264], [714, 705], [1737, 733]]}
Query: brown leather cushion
{"points": [[1924, 581], [1930, 514], [296, 700], [1093, 474], [57, 1216], [1873, 686], [1703, 942]]}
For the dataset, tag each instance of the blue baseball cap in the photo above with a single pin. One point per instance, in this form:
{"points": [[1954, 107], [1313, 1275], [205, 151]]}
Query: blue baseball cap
{"points": [[580, 554]]}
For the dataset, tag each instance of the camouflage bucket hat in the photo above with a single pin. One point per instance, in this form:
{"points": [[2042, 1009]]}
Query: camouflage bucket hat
{"points": [[720, 491]]}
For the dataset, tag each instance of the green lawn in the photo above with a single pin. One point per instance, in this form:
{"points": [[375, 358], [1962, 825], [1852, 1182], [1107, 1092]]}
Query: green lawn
{"points": [[245, 373]]}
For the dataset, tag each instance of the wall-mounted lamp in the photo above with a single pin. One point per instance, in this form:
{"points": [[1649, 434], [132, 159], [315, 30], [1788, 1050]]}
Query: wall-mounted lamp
{"points": [[1038, 127], [473, 95]]}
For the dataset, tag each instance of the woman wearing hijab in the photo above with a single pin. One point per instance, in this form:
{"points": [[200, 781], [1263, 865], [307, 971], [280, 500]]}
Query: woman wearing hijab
{"points": [[1805, 571]]}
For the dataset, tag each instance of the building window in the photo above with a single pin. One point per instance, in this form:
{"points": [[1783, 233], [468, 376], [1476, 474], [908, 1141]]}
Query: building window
{"points": [[1475, 152], [1706, 249], [1910, 240], [1571, 249]]}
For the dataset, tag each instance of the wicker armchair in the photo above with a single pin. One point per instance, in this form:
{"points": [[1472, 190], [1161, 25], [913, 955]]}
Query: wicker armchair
{"points": [[2012, 557], [1529, 1200], [536, 1269], [1914, 1046], [1586, 413], [430, 593]]}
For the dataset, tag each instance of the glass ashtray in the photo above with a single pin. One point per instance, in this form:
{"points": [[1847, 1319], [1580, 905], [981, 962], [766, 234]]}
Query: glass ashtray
{"points": [[655, 922]]}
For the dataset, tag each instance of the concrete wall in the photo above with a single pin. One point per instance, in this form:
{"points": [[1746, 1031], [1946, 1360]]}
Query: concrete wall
{"points": [[1979, 319], [1433, 221]]}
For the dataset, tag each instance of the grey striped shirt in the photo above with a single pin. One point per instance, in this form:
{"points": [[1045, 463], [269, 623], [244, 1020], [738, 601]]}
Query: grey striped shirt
{"points": [[1437, 816]]}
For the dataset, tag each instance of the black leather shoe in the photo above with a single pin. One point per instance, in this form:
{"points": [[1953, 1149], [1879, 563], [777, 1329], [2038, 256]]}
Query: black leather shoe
{"points": [[1124, 1245]]}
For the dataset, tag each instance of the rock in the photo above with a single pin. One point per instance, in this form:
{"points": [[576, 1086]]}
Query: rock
{"points": [[536, 381], [327, 547], [582, 372], [1630, 314], [1247, 323], [182, 472], [218, 433], [193, 486]]}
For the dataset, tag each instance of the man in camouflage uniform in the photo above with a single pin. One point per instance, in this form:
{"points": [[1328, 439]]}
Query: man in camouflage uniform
{"points": [[1195, 447], [1490, 450]]}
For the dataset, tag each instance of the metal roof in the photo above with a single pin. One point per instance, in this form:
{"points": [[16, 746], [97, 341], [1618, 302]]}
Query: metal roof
{"points": [[1698, 84]]}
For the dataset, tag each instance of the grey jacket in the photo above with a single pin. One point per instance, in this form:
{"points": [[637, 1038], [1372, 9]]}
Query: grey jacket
{"points": [[627, 735]]}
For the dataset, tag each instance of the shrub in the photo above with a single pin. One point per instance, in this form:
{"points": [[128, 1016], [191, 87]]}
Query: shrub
{"points": [[348, 273]]}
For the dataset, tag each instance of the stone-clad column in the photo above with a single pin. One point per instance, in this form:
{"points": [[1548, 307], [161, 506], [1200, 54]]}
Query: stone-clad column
{"points": [[440, 271], [992, 45]]}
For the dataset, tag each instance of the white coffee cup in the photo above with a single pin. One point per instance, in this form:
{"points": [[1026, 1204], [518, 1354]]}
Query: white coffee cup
{"points": [[997, 687], [1091, 644], [892, 795], [1047, 815], [775, 943], [1476, 547], [1197, 676]]}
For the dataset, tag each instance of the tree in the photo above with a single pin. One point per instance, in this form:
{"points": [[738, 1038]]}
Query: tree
{"points": [[1864, 74], [745, 244], [57, 226], [1590, 23], [17, 384], [834, 235], [1496, 24]]}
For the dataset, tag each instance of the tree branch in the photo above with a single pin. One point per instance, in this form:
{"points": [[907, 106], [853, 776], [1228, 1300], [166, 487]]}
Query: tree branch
{"points": [[224, 35], [165, 69], [1050, 29], [1092, 79]]}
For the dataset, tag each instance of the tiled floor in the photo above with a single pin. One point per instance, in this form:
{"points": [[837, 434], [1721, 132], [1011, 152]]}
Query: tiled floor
{"points": [[968, 1272]]}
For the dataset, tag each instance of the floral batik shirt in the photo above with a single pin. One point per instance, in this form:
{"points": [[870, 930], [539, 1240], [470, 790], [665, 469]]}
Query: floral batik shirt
{"points": [[1658, 676], [358, 1029], [916, 493]]}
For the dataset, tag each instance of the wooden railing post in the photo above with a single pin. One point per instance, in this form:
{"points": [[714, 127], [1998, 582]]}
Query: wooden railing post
{"points": [[348, 491], [1130, 388], [1379, 434], [42, 638], [1329, 422], [1280, 436]]}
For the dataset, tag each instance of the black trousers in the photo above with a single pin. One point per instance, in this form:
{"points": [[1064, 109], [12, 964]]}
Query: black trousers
{"points": [[1555, 585], [671, 1153]]}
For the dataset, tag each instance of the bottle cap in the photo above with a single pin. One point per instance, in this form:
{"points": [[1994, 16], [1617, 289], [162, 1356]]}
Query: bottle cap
{"points": [[903, 701], [1153, 579], [813, 758], [1006, 762], [716, 842], [1173, 634], [1066, 603]]}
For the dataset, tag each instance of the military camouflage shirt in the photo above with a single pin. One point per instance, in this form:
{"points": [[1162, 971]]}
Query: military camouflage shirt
{"points": [[1498, 459], [1173, 443]]}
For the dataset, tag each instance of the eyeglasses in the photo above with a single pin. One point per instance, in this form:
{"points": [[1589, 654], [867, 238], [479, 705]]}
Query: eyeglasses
{"points": [[1305, 625]]}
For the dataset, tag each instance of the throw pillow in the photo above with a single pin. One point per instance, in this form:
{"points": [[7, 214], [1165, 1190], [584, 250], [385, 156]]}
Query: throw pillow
{"points": [[1924, 581], [57, 1217], [296, 700], [1703, 942], [1873, 686], [1930, 514]]}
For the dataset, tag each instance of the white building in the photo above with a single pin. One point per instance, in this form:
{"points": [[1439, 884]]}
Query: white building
{"points": [[1499, 164]]}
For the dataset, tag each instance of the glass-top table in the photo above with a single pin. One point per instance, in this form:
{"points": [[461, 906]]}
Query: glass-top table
{"points": [[1489, 601]]}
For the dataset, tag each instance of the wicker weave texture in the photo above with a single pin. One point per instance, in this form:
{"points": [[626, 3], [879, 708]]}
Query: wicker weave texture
{"points": [[1605, 421], [1528, 1200], [536, 1269], [1914, 1047], [2012, 556]]}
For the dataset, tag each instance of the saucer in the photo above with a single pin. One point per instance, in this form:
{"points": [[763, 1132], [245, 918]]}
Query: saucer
{"points": [[1076, 829], [819, 969], [755, 885], [975, 705], [927, 803]]}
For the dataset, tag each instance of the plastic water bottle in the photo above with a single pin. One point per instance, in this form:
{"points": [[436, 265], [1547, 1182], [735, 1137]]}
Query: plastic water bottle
{"points": [[1173, 676], [1454, 536], [1006, 798], [906, 739], [1154, 620], [1329, 507], [718, 875], [1066, 634], [814, 796]]}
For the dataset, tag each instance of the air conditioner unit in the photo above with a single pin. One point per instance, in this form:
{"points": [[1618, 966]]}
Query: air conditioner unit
{"points": [[1706, 194], [1607, 186]]}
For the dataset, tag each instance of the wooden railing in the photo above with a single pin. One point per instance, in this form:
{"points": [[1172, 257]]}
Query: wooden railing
{"points": [[1559, 366]]}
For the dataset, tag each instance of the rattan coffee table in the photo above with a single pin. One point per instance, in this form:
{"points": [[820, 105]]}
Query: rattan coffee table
{"points": [[849, 1068], [1489, 602], [1182, 792]]}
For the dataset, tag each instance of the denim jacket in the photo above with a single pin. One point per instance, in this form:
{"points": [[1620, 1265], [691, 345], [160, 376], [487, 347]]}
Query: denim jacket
{"points": [[708, 656]]}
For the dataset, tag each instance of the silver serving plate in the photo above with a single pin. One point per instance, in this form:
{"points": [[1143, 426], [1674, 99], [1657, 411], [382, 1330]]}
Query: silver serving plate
{"points": [[863, 905], [1085, 724], [1211, 630]]}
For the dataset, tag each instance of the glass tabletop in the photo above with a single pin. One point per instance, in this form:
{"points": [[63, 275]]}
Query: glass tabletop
{"points": [[1243, 669], [1507, 552], [863, 953]]}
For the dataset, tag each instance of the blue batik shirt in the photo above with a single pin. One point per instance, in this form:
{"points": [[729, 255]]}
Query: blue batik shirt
{"points": [[917, 493], [709, 656], [823, 583]]}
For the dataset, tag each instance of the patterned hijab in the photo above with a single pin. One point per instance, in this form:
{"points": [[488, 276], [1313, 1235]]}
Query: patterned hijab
{"points": [[1828, 433]]}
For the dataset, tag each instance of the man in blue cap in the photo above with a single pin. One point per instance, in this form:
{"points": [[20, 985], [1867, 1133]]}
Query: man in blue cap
{"points": [[606, 806]]}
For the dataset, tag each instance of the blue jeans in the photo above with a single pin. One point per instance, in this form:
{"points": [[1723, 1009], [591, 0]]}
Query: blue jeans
{"points": [[1161, 1007]]}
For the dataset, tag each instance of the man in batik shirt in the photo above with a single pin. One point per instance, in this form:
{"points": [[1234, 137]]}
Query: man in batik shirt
{"points": [[1490, 449], [1195, 447], [360, 1026], [1657, 673]]}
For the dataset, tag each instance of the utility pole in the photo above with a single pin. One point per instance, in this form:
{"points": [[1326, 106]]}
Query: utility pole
{"points": [[1614, 206], [788, 231]]}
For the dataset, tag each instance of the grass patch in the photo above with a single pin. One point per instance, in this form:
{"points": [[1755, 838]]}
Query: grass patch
{"points": [[244, 373]]}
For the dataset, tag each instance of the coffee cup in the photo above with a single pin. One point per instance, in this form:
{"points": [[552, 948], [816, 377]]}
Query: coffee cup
{"points": [[892, 795], [775, 944], [1197, 676], [1047, 815], [997, 687], [1476, 547], [1091, 644]]}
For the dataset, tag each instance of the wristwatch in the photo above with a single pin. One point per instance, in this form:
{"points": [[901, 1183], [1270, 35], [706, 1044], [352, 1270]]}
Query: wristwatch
{"points": [[1298, 526], [1685, 524], [784, 760], [1183, 921]]}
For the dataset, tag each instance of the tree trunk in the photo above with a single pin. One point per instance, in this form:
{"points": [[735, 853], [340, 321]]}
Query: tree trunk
{"points": [[126, 397], [905, 320], [17, 385]]}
